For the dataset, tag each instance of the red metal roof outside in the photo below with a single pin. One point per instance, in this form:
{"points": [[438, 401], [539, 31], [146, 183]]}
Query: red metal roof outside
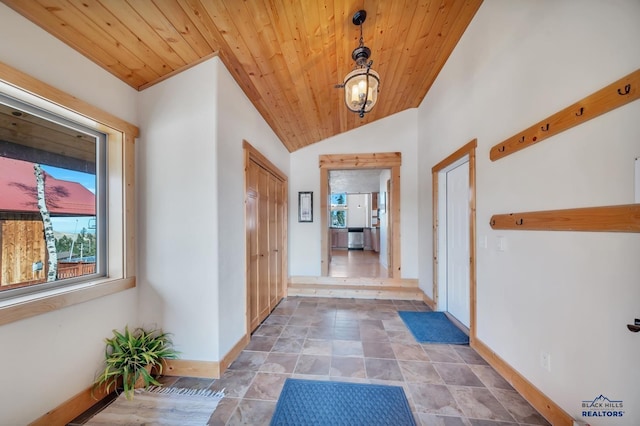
{"points": [[18, 192]]}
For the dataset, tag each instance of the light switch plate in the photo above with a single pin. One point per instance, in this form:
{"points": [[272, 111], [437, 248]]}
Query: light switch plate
{"points": [[502, 243]]}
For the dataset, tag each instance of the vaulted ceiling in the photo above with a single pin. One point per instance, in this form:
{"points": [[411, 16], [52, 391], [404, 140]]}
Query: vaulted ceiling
{"points": [[286, 55]]}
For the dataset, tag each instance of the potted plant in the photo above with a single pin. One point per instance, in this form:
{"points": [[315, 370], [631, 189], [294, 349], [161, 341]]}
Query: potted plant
{"points": [[130, 358]]}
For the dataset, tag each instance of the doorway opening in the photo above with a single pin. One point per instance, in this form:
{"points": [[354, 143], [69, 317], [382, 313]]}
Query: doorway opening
{"points": [[343, 241], [454, 236], [357, 220]]}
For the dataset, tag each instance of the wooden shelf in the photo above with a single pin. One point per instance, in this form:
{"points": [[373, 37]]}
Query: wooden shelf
{"points": [[622, 218], [604, 100]]}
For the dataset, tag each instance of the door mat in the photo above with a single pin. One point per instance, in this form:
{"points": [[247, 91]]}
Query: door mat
{"points": [[433, 327], [324, 403]]}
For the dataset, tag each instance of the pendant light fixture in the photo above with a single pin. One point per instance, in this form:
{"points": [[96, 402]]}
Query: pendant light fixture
{"points": [[361, 85]]}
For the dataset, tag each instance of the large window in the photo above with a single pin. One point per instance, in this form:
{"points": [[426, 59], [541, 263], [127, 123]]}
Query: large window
{"points": [[78, 159], [52, 198]]}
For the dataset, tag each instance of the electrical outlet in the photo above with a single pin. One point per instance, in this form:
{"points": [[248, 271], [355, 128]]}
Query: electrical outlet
{"points": [[545, 361]]}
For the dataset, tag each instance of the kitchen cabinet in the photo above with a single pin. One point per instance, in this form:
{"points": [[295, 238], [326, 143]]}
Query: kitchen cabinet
{"points": [[339, 238], [375, 239], [367, 239]]}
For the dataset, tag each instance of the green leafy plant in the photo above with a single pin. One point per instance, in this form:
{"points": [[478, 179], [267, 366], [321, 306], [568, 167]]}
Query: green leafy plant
{"points": [[130, 357]]}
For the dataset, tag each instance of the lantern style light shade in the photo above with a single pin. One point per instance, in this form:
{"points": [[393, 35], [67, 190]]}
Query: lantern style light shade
{"points": [[361, 90], [361, 85]]}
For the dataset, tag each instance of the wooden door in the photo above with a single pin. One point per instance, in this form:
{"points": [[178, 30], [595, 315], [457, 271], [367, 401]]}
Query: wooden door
{"points": [[274, 257], [253, 314], [266, 211], [281, 203], [263, 243], [457, 243]]}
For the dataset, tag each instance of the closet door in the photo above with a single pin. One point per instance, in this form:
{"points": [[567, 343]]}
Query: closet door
{"points": [[263, 243], [266, 210], [274, 255], [281, 211]]}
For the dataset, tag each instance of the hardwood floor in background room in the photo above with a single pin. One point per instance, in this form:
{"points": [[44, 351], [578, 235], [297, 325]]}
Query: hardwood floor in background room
{"points": [[356, 264]]}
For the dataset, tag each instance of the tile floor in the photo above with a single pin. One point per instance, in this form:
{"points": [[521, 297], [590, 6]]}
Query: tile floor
{"points": [[362, 341]]}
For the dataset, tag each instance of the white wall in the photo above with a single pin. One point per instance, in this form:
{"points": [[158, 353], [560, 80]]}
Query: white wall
{"points": [[568, 294], [395, 133], [191, 185], [178, 201], [49, 358], [238, 120]]}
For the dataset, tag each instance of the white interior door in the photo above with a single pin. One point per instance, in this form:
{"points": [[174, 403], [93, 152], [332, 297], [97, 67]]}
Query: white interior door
{"points": [[457, 243]]}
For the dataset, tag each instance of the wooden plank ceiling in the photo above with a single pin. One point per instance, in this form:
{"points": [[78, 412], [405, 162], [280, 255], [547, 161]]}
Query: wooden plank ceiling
{"points": [[287, 55]]}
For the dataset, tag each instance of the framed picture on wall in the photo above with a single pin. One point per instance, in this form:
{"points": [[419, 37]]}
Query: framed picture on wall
{"points": [[305, 206]]}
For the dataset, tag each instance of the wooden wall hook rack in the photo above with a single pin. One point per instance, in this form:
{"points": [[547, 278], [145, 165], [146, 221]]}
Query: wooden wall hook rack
{"points": [[622, 218], [618, 93]]}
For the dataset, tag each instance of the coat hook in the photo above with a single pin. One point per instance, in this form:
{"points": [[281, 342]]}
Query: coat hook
{"points": [[580, 113], [627, 89], [520, 222], [545, 128], [521, 139], [501, 150]]}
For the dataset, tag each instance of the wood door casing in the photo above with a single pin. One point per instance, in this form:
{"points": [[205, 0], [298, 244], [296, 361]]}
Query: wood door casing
{"points": [[468, 150], [273, 254], [251, 226], [379, 160]]}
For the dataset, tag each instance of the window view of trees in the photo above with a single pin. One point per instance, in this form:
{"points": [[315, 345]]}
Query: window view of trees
{"points": [[338, 218], [83, 248], [338, 210]]}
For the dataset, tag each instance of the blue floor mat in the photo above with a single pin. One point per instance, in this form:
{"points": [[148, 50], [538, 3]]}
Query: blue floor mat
{"points": [[324, 403], [433, 327]]}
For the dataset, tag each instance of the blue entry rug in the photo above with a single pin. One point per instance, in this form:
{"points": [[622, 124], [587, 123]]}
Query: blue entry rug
{"points": [[320, 403], [433, 327]]}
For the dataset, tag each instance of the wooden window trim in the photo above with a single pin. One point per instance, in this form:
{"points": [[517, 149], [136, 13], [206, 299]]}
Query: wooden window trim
{"points": [[121, 237]]}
